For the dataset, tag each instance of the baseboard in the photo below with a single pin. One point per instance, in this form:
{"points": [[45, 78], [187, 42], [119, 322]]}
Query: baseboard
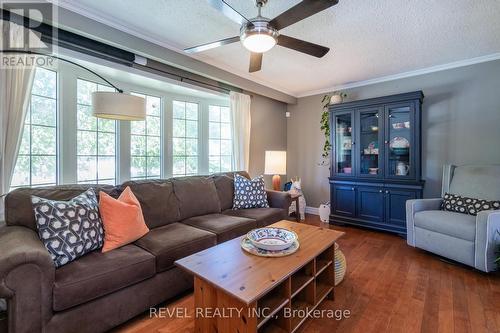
{"points": [[312, 210]]}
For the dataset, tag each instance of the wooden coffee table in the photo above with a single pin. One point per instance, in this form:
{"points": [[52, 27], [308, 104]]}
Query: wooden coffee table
{"points": [[235, 291]]}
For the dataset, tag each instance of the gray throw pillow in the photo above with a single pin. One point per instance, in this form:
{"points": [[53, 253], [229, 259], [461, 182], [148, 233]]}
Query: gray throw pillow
{"points": [[69, 229], [249, 193]]}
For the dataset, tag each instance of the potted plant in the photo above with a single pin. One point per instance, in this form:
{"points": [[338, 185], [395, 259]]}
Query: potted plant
{"points": [[337, 97]]}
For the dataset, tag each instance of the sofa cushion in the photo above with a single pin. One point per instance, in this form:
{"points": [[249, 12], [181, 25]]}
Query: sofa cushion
{"points": [[453, 224], [197, 195], [225, 190], [224, 183], [249, 193], [263, 216], [122, 219], [224, 226], [97, 274], [158, 201], [69, 229], [175, 241], [18, 208]]}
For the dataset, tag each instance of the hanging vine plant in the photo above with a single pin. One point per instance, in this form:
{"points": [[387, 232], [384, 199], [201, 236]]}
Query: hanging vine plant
{"points": [[325, 126], [335, 97]]}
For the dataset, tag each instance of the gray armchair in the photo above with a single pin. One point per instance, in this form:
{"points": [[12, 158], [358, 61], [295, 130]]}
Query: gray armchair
{"points": [[472, 240]]}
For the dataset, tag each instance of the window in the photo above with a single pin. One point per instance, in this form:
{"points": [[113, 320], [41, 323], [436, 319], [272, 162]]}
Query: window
{"points": [[96, 139], [37, 160], [145, 141], [220, 146], [185, 138]]}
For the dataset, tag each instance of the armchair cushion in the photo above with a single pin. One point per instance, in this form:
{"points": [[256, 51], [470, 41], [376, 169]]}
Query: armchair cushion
{"points": [[453, 224], [475, 181]]}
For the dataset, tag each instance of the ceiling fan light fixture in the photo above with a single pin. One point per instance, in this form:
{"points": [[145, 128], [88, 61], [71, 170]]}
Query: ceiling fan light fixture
{"points": [[259, 43], [259, 36]]}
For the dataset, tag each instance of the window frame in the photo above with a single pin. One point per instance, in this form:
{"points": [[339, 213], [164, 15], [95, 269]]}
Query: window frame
{"points": [[146, 135], [220, 139], [56, 128], [198, 136], [66, 130], [117, 161]]}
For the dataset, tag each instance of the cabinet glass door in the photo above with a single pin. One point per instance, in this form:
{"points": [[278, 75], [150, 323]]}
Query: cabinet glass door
{"points": [[370, 142], [343, 143], [399, 141]]}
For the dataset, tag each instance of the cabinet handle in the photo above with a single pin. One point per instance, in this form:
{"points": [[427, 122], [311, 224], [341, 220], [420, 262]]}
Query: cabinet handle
{"points": [[352, 188], [380, 191], [353, 143], [387, 192], [386, 141]]}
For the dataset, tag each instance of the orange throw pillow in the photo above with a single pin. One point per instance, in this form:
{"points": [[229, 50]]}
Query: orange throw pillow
{"points": [[122, 219]]}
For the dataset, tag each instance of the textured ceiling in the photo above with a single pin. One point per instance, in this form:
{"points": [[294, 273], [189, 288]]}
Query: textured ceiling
{"points": [[368, 39]]}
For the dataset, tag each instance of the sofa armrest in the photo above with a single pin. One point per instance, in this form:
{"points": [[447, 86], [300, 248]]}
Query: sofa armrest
{"points": [[26, 278], [414, 206], [487, 240], [278, 199]]}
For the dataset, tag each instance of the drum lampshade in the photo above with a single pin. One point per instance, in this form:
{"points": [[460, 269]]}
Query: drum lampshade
{"points": [[118, 106]]}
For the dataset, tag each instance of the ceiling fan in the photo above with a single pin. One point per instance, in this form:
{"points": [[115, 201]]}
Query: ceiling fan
{"points": [[261, 34]]}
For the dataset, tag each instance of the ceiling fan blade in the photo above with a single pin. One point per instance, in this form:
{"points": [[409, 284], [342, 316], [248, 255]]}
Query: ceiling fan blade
{"points": [[208, 46], [301, 11], [302, 46], [231, 13], [255, 62]]}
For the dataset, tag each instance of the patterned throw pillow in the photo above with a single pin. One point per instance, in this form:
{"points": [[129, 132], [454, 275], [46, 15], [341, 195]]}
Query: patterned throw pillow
{"points": [[69, 229], [249, 193], [465, 205]]}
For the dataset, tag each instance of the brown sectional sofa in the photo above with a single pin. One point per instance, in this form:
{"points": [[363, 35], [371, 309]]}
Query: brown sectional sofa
{"points": [[101, 290]]}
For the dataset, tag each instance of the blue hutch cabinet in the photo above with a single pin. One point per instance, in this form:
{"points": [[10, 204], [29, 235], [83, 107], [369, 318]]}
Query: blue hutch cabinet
{"points": [[375, 160]]}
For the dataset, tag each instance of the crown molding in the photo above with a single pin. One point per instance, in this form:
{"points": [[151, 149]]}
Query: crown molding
{"points": [[77, 8], [422, 71]]}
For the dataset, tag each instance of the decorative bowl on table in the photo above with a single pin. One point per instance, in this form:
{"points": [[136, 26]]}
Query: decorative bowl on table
{"points": [[272, 239]]}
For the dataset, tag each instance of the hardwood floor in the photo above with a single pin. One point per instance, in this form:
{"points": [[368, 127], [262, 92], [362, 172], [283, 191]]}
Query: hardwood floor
{"points": [[389, 287]]}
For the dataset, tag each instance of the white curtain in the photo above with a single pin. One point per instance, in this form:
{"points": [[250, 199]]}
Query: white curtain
{"points": [[241, 125], [15, 89]]}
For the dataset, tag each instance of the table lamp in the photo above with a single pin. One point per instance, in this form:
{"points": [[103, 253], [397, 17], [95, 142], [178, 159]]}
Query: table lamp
{"points": [[276, 166]]}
